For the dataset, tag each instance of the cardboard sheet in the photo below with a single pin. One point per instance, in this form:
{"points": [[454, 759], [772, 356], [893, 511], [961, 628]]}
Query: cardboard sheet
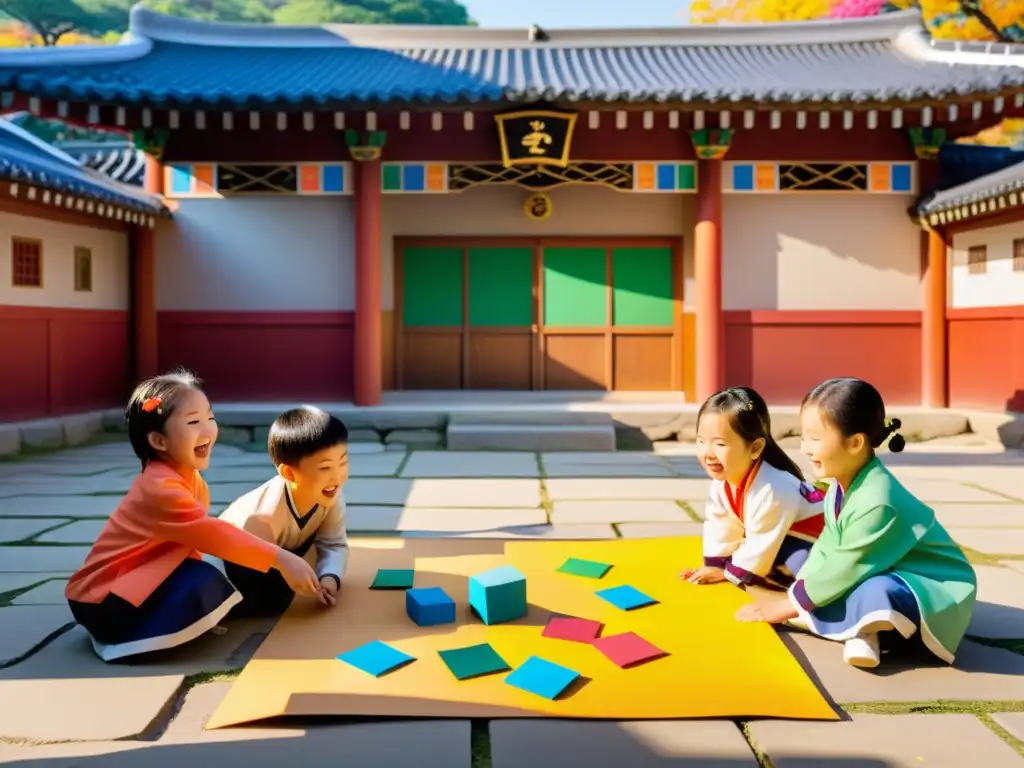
{"points": [[716, 667]]}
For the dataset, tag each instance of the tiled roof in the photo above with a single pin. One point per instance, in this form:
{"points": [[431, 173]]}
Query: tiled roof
{"points": [[174, 62], [992, 185], [120, 161], [26, 159]]}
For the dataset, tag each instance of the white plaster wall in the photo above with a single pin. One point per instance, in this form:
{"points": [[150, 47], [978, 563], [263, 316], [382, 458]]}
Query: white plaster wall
{"points": [[999, 286], [827, 251], [109, 264], [577, 210], [253, 254]]}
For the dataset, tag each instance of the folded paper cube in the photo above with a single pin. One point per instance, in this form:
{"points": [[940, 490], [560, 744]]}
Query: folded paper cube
{"points": [[429, 606], [498, 595]]}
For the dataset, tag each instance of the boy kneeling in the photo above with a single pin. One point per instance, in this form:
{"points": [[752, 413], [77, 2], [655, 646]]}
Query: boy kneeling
{"points": [[302, 506]]}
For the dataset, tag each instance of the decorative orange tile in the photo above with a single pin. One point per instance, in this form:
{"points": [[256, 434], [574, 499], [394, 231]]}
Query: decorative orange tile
{"points": [[309, 178], [436, 177], [764, 177], [879, 177], [204, 176], [644, 175]]}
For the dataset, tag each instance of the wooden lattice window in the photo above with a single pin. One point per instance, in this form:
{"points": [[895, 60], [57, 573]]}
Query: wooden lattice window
{"points": [[614, 175], [1018, 255], [258, 179], [83, 269], [977, 259], [26, 263], [823, 177]]}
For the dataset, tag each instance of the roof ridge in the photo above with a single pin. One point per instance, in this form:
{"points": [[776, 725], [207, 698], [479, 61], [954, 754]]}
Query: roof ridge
{"points": [[151, 25], [8, 126]]}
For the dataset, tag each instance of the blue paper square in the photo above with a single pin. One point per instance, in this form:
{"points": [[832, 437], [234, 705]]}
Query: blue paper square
{"points": [[376, 658], [334, 178], [414, 178], [543, 678], [743, 178], [666, 176], [626, 597], [181, 180], [900, 178]]}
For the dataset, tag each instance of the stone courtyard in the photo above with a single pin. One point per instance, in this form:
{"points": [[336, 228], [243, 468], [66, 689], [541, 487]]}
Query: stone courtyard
{"points": [[59, 706]]}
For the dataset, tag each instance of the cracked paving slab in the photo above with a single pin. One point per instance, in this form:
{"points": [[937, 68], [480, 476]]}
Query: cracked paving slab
{"points": [[25, 627]]}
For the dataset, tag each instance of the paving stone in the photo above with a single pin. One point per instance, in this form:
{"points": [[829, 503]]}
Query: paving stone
{"points": [[415, 438], [567, 743], [12, 581], [616, 512], [472, 493], [120, 450], [555, 532], [24, 627], [1017, 565], [980, 515], [599, 457], [992, 541], [885, 741], [471, 464], [42, 433], [932, 490], [371, 518], [67, 755], [569, 469], [252, 474], [225, 493], [80, 531], [1013, 722], [376, 491], [375, 465], [50, 593], [60, 486], [531, 437], [659, 530], [58, 506], [605, 489], [999, 612], [20, 529], [43, 471], [30, 559], [980, 673]]}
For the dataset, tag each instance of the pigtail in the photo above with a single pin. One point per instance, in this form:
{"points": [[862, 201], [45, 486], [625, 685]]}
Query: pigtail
{"points": [[778, 458], [897, 442]]}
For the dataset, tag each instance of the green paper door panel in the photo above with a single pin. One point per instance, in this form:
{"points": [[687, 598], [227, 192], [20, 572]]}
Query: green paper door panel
{"points": [[501, 287], [432, 286], [642, 287], [575, 287]]}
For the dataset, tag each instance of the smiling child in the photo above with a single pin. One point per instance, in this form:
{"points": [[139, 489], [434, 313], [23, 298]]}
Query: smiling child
{"points": [[301, 507]]}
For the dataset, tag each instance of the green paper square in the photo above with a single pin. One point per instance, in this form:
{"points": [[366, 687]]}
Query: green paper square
{"points": [[391, 178], [686, 177], [473, 661], [588, 568], [393, 579]]}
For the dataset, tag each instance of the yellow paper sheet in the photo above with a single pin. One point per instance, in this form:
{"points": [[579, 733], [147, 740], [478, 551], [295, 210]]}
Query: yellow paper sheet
{"points": [[717, 667]]}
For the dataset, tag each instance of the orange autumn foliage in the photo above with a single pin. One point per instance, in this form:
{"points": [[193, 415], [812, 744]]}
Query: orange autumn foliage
{"points": [[16, 35]]}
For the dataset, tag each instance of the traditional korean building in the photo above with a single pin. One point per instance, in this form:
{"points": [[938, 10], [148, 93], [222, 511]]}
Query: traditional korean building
{"points": [[366, 208]]}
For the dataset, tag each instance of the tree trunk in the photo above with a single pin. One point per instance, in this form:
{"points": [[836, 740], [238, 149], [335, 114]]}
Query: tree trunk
{"points": [[973, 8]]}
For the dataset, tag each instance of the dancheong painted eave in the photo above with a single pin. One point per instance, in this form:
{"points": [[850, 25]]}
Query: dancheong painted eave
{"points": [[988, 194], [171, 62]]}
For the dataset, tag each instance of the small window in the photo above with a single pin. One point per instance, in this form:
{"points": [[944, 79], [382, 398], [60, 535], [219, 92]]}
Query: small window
{"points": [[1018, 255], [977, 260], [83, 269], [26, 263]]}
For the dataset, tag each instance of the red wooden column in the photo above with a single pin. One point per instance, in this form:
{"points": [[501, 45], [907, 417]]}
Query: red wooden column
{"points": [[707, 273], [143, 287], [368, 358], [934, 367]]}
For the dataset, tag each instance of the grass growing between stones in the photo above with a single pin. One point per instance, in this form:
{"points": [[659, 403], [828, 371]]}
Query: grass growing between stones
{"points": [[689, 511], [974, 557], [1015, 645], [8, 597], [762, 759], [480, 743]]}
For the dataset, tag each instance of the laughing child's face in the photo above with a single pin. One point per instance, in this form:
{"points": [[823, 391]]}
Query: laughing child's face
{"points": [[189, 433], [723, 453], [318, 478]]}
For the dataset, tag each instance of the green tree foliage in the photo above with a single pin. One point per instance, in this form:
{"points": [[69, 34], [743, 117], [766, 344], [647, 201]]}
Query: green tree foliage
{"points": [[52, 19], [446, 12]]}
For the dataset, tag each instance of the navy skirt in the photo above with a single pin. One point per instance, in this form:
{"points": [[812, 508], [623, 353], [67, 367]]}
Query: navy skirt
{"points": [[190, 602]]}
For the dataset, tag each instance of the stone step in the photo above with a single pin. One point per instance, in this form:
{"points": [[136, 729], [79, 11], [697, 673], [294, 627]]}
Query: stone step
{"points": [[519, 417], [531, 437]]}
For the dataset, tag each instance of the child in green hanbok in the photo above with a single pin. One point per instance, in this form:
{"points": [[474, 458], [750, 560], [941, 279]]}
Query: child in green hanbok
{"points": [[883, 564]]}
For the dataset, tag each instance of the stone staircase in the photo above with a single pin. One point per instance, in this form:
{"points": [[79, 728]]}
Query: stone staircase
{"points": [[524, 431]]}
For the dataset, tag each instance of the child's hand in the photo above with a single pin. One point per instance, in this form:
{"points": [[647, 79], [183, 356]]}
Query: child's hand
{"points": [[328, 590], [297, 573], [769, 611], [705, 575]]}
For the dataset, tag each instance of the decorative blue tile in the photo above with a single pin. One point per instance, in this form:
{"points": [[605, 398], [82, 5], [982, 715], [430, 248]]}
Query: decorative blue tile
{"points": [[901, 178], [666, 176], [334, 178], [181, 180], [414, 178], [743, 178]]}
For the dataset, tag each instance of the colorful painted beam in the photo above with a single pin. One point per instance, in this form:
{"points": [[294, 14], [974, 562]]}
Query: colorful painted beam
{"points": [[325, 179], [414, 178], [750, 177], [896, 178], [191, 180], [665, 177], [765, 177]]}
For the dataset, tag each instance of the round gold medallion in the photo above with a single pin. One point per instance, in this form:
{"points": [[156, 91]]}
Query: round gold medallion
{"points": [[538, 206]]}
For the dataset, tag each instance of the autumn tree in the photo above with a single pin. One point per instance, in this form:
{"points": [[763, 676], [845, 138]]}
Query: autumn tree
{"points": [[52, 19]]}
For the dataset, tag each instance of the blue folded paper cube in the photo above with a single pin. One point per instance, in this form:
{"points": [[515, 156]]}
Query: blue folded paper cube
{"points": [[429, 606], [498, 595]]}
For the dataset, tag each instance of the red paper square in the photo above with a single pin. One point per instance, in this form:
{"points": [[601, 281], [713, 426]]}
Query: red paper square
{"points": [[628, 649], [576, 630]]}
